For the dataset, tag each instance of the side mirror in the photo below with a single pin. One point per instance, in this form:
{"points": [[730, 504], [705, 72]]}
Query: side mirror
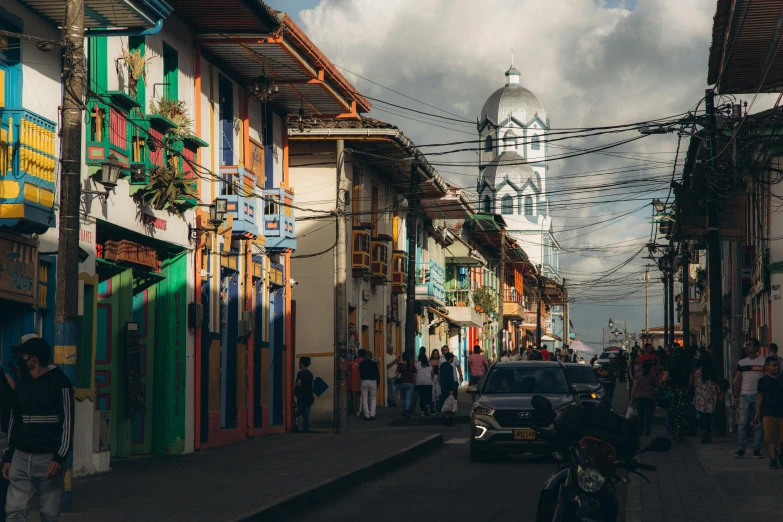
{"points": [[658, 445], [472, 389]]}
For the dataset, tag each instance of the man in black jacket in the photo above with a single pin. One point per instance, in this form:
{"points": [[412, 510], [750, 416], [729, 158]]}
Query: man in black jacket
{"points": [[370, 377], [40, 434]]}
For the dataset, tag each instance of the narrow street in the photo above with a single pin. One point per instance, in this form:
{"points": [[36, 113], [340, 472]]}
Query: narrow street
{"points": [[446, 485]]}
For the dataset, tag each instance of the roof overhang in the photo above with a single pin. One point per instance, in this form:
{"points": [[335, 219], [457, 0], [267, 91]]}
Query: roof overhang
{"points": [[744, 55], [488, 229], [102, 14], [462, 254], [251, 40], [389, 150]]}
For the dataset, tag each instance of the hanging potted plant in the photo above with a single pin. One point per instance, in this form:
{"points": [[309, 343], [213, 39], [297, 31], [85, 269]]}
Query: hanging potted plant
{"points": [[137, 69], [176, 116], [485, 300], [169, 189]]}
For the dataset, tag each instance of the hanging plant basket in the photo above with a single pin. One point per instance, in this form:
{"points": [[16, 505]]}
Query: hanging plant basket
{"points": [[168, 189]]}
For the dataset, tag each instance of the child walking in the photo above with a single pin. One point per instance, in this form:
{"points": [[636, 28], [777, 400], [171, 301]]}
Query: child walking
{"points": [[769, 407], [704, 381]]}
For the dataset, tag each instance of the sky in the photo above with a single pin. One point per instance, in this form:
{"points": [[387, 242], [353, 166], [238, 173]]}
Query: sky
{"points": [[591, 63]]}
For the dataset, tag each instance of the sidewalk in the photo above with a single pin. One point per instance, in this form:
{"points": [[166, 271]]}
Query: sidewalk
{"points": [[259, 479], [704, 482]]}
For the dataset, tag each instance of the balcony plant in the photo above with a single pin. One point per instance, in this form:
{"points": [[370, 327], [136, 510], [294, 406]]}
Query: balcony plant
{"points": [[137, 68], [701, 279], [177, 112], [168, 189], [485, 300]]}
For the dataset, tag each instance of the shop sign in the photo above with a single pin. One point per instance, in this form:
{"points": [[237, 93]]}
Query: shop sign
{"points": [[18, 269]]}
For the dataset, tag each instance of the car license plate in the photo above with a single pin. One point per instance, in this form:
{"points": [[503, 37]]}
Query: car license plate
{"points": [[524, 434]]}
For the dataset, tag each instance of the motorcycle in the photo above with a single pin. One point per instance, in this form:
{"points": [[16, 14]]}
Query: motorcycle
{"points": [[583, 488]]}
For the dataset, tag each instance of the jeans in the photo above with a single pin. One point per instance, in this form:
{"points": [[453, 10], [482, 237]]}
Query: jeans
{"points": [[28, 474], [369, 391], [746, 414], [425, 397], [644, 414], [391, 391], [477, 381], [705, 420], [609, 387], [304, 412], [406, 389]]}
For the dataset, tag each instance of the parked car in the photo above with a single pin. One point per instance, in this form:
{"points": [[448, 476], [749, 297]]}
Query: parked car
{"points": [[503, 419], [585, 383]]}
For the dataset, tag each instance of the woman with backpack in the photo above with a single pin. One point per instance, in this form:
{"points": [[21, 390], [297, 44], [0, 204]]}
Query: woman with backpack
{"points": [[643, 393]]}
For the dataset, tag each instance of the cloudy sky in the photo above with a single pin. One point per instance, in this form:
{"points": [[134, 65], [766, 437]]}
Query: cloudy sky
{"points": [[591, 63]]}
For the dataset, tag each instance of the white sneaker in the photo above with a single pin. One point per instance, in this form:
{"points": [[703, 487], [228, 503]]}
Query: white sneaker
{"points": [[358, 414]]}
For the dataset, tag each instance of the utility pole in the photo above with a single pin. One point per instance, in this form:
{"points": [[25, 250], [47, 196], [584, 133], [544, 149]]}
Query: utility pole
{"points": [[540, 302], [566, 324], [501, 294], [665, 303], [686, 298], [67, 289], [646, 303], [341, 296], [714, 268], [410, 296], [671, 299]]}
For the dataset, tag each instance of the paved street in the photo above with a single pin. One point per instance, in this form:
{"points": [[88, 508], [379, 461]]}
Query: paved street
{"points": [[447, 485]]}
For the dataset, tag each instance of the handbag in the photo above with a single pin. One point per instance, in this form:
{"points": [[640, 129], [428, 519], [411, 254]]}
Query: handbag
{"points": [[664, 398]]}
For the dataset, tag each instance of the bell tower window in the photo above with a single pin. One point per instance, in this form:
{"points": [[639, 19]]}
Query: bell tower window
{"points": [[488, 144]]}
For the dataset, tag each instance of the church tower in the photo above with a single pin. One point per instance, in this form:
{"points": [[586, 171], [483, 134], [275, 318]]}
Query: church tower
{"points": [[512, 128]]}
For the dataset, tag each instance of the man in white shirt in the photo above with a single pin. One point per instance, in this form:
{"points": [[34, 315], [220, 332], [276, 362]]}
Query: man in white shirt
{"points": [[746, 378], [391, 361]]}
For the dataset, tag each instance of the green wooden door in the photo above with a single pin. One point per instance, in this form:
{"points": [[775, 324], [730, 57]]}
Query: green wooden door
{"points": [[144, 313]]}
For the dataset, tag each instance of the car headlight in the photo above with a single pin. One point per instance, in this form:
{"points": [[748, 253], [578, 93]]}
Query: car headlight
{"points": [[479, 431], [590, 480], [600, 393], [482, 409]]}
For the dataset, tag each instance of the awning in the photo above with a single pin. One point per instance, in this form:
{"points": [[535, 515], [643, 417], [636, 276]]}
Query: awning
{"points": [[550, 338], [101, 14], [251, 40], [460, 253]]}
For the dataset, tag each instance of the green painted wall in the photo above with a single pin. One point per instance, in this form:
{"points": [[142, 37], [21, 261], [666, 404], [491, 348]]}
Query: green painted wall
{"points": [[137, 43]]}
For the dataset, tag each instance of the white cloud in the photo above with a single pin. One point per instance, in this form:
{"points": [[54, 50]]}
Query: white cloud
{"points": [[588, 64]]}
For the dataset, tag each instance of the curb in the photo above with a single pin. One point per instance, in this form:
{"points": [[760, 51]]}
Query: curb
{"points": [[298, 502], [431, 420]]}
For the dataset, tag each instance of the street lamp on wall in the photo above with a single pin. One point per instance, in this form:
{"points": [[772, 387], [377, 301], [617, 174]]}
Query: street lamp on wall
{"points": [[217, 216], [611, 324], [107, 176]]}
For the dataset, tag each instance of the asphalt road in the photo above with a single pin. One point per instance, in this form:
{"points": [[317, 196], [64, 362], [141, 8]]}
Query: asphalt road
{"points": [[445, 485]]}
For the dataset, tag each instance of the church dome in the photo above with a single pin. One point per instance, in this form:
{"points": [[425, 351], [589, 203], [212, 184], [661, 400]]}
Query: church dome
{"points": [[513, 99], [512, 166]]}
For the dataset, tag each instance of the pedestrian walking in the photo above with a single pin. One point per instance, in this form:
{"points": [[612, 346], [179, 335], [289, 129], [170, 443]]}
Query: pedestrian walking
{"points": [[457, 367], [448, 379], [607, 376], [423, 383], [355, 381], [745, 390], [592, 361], [303, 391], [371, 378], [391, 361], [504, 356], [643, 393], [477, 366], [706, 393], [415, 393], [435, 365], [40, 434], [679, 377], [406, 371], [773, 350], [545, 353], [769, 408]]}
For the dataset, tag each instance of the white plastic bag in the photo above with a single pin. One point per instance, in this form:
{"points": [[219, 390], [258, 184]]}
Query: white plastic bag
{"points": [[449, 405], [630, 412]]}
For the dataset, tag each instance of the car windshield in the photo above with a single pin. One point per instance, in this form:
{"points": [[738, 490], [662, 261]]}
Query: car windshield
{"points": [[522, 379], [605, 355], [581, 374]]}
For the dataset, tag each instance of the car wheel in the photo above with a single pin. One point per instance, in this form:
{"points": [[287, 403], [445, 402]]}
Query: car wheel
{"points": [[477, 455]]}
